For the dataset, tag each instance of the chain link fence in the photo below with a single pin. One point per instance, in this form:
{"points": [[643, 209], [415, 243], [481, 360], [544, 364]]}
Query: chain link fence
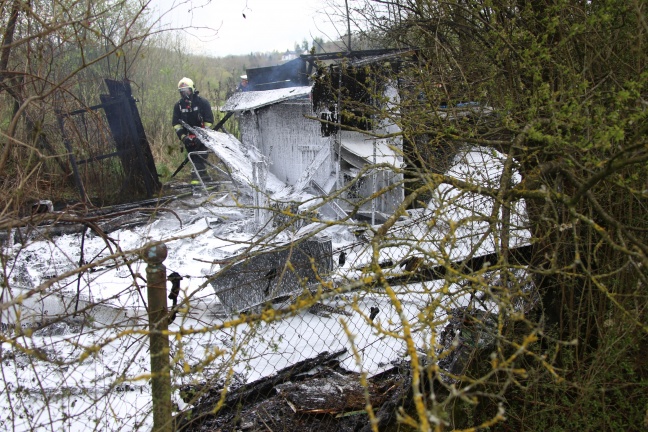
{"points": [[318, 325]]}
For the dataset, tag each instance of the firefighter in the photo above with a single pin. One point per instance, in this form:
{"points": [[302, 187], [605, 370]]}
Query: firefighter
{"points": [[243, 85], [196, 112]]}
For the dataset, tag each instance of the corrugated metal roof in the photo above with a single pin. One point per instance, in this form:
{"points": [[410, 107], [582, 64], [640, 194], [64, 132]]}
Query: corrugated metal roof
{"points": [[245, 101]]}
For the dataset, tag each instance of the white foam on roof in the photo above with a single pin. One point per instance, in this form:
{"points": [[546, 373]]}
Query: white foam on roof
{"points": [[239, 158], [245, 101]]}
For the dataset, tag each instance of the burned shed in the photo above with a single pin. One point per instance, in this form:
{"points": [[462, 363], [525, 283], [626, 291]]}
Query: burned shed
{"points": [[279, 116]]}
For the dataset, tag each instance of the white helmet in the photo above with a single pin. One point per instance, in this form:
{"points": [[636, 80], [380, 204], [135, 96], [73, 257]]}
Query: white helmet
{"points": [[184, 84]]}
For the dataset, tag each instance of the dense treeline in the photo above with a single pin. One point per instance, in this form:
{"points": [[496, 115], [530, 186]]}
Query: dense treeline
{"points": [[568, 87]]}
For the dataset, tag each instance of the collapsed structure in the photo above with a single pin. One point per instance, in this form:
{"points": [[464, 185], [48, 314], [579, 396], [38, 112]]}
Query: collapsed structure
{"points": [[295, 133], [319, 133]]}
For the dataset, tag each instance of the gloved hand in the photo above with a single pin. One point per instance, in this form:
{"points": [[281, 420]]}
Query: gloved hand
{"points": [[188, 141]]}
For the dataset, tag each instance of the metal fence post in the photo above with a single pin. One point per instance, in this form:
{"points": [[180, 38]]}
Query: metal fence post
{"points": [[154, 255]]}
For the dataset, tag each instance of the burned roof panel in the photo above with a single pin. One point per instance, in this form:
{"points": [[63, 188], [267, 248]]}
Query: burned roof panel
{"points": [[289, 74], [238, 158]]}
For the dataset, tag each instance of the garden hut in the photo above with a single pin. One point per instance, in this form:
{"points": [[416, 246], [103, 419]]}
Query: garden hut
{"points": [[291, 118]]}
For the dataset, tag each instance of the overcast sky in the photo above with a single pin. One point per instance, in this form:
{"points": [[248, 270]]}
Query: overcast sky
{"points": [[268, 25]]}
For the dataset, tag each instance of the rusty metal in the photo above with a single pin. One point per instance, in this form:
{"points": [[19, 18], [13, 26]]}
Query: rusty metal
{"points": [[154, 255]]}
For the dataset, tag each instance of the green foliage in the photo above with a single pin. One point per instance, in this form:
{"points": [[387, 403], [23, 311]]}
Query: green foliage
{"points": [[567, 85], [609, 395]]}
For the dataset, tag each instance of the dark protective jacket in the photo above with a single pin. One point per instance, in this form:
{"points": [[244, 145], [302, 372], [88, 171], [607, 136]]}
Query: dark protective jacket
{"points": [[195, 111]]}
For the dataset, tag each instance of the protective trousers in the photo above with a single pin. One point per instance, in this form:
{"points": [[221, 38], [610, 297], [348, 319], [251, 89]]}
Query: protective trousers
{"points": [[198, 160]]}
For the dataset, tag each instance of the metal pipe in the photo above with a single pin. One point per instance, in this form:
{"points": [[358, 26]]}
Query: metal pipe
{"points": [[154, 255], [373, 186]]}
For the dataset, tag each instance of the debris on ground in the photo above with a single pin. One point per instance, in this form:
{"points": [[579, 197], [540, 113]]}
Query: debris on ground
{"points": [[313, 395]]}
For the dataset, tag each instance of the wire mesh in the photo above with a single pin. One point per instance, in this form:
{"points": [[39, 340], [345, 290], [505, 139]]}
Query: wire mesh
{"points": [[309, 325]]}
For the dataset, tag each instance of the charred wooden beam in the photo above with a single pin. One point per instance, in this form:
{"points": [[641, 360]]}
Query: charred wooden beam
{"points": [[418, 271], [388, 410], [52, 224], [250, 393]]}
